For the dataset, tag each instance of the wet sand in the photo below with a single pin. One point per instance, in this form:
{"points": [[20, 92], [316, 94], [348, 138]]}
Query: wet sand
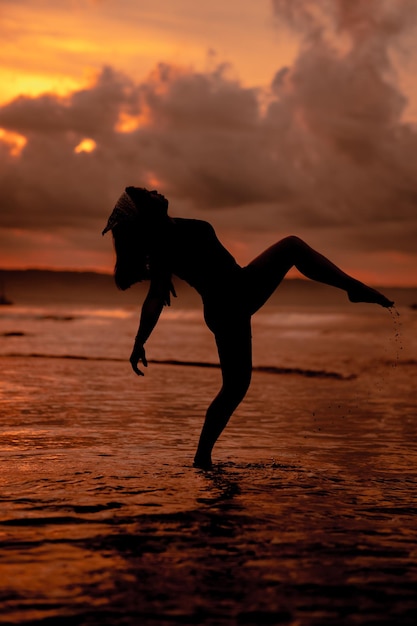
{"points": [[309, 517]]}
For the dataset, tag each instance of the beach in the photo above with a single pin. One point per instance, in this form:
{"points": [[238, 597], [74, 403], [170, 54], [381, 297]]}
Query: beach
{"points": [[309, 516]]}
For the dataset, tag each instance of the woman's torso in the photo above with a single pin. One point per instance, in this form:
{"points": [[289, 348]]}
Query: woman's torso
{"points": [[195, 254], [198, 257]]}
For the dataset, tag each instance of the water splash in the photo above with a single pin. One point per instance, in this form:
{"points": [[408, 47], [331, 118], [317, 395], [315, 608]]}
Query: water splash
{"points": [[397, 340]]}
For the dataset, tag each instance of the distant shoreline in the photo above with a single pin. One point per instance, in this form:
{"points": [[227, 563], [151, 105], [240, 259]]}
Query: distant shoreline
{"points": [[39, 271], [54, 286]]}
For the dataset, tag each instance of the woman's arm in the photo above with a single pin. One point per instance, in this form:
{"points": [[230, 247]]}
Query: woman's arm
{"points": [[158, 296]]}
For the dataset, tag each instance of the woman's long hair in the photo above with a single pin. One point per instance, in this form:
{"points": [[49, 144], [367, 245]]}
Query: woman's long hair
{"points": [[132, 256], [134, 240]]}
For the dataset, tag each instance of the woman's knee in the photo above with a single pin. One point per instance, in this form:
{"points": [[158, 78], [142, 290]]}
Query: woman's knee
{"points": [[235, 388], [292, 242], [294, 247]]}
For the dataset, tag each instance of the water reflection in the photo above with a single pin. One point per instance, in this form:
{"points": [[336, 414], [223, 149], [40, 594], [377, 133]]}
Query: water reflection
{"points": [[308, 518]]}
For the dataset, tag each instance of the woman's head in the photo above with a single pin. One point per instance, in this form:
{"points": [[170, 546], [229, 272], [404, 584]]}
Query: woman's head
{"points": [[136, 220], [138, 206]]}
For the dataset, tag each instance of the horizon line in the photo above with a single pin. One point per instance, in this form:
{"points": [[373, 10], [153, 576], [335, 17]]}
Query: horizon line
{"points": [[102, 272]]}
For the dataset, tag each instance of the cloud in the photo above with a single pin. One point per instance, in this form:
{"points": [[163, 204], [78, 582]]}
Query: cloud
{"points": [[356, 148], [324, 148], [50, 184]]}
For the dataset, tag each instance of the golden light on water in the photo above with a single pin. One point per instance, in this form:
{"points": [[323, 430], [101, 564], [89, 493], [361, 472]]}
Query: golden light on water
{"points": [[109, 313], [86, 145]]}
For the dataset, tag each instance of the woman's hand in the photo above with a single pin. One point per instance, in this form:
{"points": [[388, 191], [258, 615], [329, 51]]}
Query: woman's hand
{"points": [[138, 354]]}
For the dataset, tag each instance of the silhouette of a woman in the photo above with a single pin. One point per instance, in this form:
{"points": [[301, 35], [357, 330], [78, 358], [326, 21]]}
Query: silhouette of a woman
{"points": [[150, 245]]}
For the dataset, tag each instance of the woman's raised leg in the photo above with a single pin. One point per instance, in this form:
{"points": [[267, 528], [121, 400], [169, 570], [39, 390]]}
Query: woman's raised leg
{"points": [[234, 345], [269, 268]]}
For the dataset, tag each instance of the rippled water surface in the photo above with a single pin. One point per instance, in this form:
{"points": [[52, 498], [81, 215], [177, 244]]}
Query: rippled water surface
{"points": [[309, 517]]}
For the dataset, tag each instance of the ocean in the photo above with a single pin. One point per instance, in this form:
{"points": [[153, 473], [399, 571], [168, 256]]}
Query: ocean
{"points": [[309, 516]]}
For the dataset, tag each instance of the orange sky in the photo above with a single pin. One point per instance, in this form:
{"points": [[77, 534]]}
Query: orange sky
{"points": [[262, 117]]}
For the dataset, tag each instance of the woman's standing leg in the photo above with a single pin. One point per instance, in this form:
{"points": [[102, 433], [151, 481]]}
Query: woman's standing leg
{"points": [[268, 269], [234, 345]]}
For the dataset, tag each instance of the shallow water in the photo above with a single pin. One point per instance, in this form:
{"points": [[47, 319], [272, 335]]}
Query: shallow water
{"points": [[309, 517]]}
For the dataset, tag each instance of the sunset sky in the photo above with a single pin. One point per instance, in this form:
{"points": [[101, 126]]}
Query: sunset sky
{"points": [[266, 118]]}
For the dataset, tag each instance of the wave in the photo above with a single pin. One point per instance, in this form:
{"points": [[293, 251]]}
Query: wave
{"points": [[264, 369]]}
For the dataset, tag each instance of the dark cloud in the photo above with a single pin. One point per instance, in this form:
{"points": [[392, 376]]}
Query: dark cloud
{"points": [[49, 185], [330, 149], [359, 151]]}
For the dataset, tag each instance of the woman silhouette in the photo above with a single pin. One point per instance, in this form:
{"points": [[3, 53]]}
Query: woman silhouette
{"points": [[150, 245]]}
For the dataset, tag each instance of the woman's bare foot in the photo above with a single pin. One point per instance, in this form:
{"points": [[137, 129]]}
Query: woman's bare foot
{"points": [[362, 293], [202, 461]]}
